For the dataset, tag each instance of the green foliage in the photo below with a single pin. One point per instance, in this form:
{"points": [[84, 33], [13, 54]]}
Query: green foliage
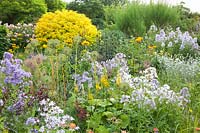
{"points": [[109, 42], [114, 2], [136, 54], [161, 15], [4, 41], [130, 19], [91, 8], [110, 16], [53, 5], [135, 100], [135, 18], [14, 11], [188, 21], [46, 70], [116, 116]]}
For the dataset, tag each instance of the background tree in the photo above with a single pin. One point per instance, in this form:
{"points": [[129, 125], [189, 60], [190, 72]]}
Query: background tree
{"points": [[53, 5], [14, 11], [93, 9], [4, 41], [113, 2]]}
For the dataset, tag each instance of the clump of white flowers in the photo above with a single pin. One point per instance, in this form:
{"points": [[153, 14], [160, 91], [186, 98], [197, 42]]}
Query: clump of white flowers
{"points": [[52, 118], [147, 91], [185, 69]]}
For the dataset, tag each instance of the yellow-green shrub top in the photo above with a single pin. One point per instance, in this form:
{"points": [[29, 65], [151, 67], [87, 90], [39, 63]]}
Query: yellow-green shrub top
{"points": [[65, 25]]}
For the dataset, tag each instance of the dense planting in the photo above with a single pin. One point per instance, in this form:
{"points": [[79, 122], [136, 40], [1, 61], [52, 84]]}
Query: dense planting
{"points": [[133, 77]]}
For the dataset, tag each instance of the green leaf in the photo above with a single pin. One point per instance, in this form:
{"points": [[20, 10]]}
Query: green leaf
{"points": [[94, 121], [125, 121], [104, 103], [102, 129], [107, 114]]}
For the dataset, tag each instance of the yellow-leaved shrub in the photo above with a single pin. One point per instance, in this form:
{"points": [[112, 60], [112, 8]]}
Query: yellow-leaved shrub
{"points": [[65, 25]]}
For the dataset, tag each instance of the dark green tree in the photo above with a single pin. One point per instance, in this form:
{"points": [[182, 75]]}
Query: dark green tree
{"points": [[4, 40], [114, 2], [14, 11], [93, 9], [53, 5]]}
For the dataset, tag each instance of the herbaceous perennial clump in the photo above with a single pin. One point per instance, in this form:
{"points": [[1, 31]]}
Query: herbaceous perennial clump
{"points": [[52, 118], [65, 25], [12, 70], [186, 69], [176, 38], [173, 42], [146, 89], [20, 35]]}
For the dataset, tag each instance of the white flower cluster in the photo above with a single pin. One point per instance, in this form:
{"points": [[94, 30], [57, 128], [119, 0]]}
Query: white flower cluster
{"points": [[186, 69], [1, 102], [147, 91], [53, 116], [176, 38]]}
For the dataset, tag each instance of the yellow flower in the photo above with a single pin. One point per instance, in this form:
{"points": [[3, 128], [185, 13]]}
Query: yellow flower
{"points": [[44, 46], [98, 87], [190, 110], [161, 52], [118, 79], [14, 46], [13, 39], [84, 51], [10, 51], [19, 34], [90, 96], [139, 39], [104, 81], [152, 47], [76, 88], [85, 43]]}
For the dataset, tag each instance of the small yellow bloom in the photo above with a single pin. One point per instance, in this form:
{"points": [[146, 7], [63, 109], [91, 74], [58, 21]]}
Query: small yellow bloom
{"points": [[118, 79], [19, 34], [152, 46], [104, 81], [84, 51], [76, 88], [85, 43], [44, 46], [13, 39], [190, 110], [10, 51], [98, 87], [14, 46], [139, 39], [90, 96], [161, 52]]}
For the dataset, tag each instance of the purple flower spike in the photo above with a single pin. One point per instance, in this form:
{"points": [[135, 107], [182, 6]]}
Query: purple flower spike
{"points": [[12, 70], [7, 55]]}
